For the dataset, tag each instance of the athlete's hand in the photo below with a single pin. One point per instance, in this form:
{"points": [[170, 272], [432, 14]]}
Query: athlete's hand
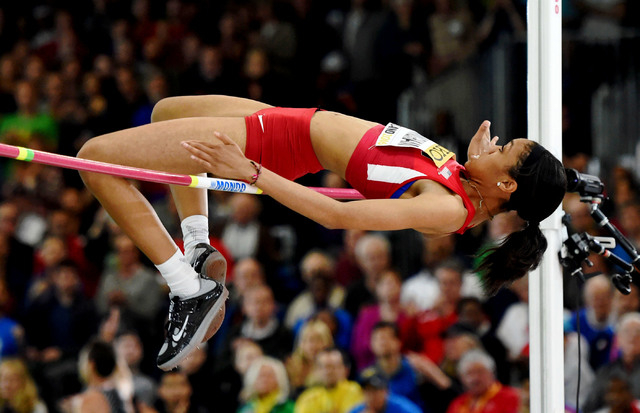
{"points": [[482, 143], [224, 159]]}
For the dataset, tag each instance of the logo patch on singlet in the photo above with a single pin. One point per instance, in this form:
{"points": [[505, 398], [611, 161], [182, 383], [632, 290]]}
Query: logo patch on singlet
{"points": [[445, 172], [399, 136]]}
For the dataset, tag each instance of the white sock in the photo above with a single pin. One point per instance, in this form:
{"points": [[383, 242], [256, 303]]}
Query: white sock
{"points": [[181, 278], [195, 229]]}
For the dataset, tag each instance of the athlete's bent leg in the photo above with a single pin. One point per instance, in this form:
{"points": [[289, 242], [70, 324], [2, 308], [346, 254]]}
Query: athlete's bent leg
{"points": [[191, 203], [154, 146], [195, 302]]}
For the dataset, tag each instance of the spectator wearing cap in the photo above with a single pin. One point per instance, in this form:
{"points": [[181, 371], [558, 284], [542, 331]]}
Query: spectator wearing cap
{"points": [[483, 393], [378, 398]]}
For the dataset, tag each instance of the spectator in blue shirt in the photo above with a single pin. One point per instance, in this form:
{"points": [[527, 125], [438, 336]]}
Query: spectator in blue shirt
{"points": [[596, 319], [391, 365]]}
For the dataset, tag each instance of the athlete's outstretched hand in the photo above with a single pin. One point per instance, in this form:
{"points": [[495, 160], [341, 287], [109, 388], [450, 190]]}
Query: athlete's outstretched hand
{"points": [[224, 159], [482, 143]]}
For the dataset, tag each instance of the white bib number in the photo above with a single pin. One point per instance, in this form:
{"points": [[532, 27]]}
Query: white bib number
{"points": [[394, 135]]}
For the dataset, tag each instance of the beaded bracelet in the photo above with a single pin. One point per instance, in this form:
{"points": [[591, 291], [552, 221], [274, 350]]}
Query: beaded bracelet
{"points": [[255, 176]]}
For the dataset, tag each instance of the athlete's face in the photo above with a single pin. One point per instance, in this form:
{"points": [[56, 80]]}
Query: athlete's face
{"points": [[495, 163]]}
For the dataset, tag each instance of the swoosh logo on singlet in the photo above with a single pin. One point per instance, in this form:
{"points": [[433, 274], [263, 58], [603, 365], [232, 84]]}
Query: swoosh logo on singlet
{"points": [[261, 124], [178, 336]]}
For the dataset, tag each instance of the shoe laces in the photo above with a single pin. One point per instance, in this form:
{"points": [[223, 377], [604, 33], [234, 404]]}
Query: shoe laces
{"points": [[175, 313]]}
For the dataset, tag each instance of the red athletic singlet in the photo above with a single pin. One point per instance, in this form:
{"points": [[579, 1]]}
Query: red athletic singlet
{"points": [[280, 139], [388, 171]]}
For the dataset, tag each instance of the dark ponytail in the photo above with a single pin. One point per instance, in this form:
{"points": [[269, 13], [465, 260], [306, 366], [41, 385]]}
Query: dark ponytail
{"points": [[513, 258], [542, 183]]}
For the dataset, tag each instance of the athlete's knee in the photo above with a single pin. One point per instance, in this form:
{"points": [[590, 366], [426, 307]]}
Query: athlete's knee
{"points": [[90, 151], [165, 109]]}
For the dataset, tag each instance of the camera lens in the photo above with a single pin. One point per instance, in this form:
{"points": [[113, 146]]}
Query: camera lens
{"points": [[573, 179], [584, 184]]}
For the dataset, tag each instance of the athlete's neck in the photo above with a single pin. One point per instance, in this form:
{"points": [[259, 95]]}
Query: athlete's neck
{"points": [[483, 209]]}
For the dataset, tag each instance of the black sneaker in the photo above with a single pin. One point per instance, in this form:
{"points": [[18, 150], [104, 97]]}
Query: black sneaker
{"points": [[208, 262], [189, 320]]}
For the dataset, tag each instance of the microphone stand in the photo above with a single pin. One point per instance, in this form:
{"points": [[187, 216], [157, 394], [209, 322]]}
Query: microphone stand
{"points": [[578, 246], [602, 221]]}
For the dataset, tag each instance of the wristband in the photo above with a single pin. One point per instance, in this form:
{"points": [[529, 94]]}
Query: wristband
{"points": [[255, 176]]}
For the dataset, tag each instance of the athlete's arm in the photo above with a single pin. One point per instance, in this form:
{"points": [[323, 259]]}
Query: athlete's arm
{"points": [[433, 214], [429, 213]]}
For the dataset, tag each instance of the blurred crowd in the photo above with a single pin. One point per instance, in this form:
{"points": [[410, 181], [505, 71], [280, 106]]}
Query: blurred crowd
{"points": [[317, 320]]}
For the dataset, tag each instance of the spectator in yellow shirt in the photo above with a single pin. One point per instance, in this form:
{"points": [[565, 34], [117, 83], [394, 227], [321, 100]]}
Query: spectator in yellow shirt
{"points": [[335, 394]]}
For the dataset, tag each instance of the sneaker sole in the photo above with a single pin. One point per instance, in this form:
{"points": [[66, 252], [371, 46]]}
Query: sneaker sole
{"points": [[215, 324], [217, 310], [215, 267]]}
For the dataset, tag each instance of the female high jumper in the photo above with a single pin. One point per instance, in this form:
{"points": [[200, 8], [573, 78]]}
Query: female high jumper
{"points": [[408, 180]]}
